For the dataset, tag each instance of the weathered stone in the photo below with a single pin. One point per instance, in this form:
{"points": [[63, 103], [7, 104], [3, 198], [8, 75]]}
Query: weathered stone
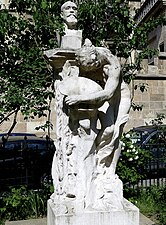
{"points": [[129, 215], [89, 93], [157, 97]]}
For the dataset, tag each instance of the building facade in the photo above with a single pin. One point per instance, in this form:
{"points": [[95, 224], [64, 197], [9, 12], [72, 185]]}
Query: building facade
{"points": [[153, 71]]}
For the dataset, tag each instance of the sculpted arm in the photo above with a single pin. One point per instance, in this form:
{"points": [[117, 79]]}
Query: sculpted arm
{"points": [[112, 71]]}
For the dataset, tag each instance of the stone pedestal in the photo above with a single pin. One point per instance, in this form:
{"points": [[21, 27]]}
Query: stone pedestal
{"points": [[129, 215], [72, 39]]}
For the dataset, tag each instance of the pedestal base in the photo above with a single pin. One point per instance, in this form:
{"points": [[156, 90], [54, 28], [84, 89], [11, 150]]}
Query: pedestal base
{"points": [[129, 215]]}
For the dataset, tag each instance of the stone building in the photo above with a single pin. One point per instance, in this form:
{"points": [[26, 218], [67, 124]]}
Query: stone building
{"points": [[153, 73], [153, 70]]}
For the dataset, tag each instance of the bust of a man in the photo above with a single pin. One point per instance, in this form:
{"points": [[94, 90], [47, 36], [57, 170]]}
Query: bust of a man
{"points": [[69, 15], [72, 38]]}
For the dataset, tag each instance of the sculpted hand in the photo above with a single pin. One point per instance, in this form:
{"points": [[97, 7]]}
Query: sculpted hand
{"points": [[72, 100]]}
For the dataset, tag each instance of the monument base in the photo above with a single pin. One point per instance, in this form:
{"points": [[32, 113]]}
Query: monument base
{"points": [[129, 215]]}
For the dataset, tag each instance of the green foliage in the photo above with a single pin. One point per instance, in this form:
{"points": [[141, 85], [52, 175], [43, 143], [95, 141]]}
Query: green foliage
{"points": [[14, 203], [112, 21], [25, 81], [130, 167], [45, 126], [21, 203], [152, 203], [94, 19], [142, 86], [137, 107], [158, 120]]}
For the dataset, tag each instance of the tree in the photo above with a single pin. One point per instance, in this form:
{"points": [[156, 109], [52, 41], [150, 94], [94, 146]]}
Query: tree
{"points": [[114, 23], [26, 30], [29, 28]]}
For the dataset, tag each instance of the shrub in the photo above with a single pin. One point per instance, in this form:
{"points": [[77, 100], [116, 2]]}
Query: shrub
{"points": [[21, 203], [152, 203], [131, 163]]}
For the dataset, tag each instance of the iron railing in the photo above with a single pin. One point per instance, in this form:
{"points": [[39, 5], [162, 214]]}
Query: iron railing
{"points": [[26, 162]]}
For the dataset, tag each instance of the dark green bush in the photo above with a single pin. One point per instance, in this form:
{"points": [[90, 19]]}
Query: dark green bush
{"points": [[131, 163], [152, 203], [21, 203]]}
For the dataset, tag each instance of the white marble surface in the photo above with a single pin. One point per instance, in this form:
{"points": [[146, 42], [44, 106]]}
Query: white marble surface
{"points": [[92, 106], [129, 215]]}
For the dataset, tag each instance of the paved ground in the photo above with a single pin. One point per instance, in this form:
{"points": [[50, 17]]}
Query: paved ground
{"points": [[143, 221], [28, 222]]}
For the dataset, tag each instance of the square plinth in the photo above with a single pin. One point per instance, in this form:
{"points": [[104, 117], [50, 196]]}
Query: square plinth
{"points": [[129, 215]]}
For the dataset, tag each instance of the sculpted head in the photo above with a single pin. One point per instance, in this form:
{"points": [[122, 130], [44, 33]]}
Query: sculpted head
{"points": [[87, 57], [69, 14]]}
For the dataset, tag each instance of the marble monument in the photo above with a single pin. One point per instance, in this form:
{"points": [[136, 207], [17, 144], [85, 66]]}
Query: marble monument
{"points": [[92, 107]]}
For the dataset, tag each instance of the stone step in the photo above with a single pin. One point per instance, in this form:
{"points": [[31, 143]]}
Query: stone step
{"points": [[43, 221]]}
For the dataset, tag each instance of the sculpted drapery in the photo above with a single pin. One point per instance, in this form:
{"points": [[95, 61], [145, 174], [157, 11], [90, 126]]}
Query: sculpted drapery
{"points": [[92, 106]]}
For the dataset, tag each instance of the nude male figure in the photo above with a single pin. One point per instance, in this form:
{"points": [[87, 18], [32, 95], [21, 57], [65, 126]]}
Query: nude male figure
{"points": [[98, 64]]}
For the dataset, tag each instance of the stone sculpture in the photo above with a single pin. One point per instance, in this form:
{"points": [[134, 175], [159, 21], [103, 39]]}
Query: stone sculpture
{"points": [[72, 38], [91, 94], [69, 15], [92, 106]]}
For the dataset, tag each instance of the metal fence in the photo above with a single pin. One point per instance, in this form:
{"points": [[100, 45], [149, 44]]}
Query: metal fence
{"points": [[154, 171], [26, 161]]}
